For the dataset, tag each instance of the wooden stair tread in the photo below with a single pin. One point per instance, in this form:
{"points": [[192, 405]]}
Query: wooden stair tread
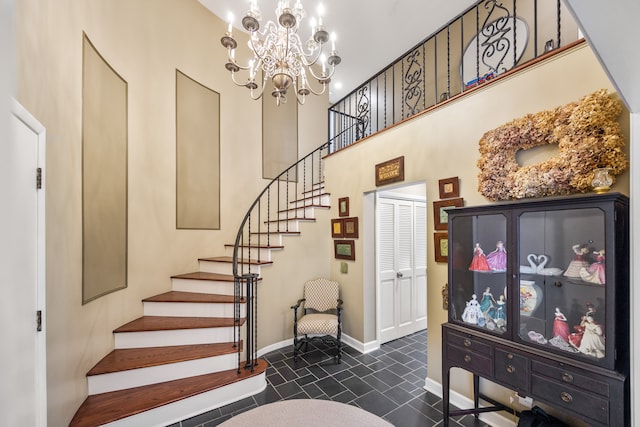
{"points": [[256, 246], [168, 323], [297, 218], [134, 358], [308, 198], [193, 297], [305, 206], [293, 233], [201, 275], [229, 259], [104, 408]]}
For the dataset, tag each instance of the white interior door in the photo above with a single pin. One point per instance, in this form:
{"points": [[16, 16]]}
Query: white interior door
{"points": [[24, 273], [401, 256]]}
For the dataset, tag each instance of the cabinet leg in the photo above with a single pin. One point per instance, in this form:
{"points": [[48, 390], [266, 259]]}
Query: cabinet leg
{"points": [[445, 397], [476, 393]]}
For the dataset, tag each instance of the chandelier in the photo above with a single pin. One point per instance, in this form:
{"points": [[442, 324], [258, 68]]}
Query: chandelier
{"points": [[279, 53]]}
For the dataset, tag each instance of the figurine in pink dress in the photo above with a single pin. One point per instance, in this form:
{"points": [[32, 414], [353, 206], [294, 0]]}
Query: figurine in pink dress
{"points": [[497, 259], [479, 261], [595, 273], [560, 326]]}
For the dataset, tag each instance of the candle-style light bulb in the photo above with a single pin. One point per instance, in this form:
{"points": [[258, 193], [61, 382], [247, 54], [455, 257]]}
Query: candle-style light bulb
{"points": [[333, 42], [323, 60], [230, 19], [320, 13]]}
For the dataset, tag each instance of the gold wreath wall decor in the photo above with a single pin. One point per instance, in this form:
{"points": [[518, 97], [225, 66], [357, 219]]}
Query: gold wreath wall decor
{"points": [[588, 137]]}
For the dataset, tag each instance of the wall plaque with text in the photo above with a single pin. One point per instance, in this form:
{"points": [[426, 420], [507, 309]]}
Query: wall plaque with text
{"points": [[390, 171]]}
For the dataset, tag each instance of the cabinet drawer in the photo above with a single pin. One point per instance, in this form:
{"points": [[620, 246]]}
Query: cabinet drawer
{"points": [[576, 400], [470, 343], [472, 362], [512, 369], [560, 373]]}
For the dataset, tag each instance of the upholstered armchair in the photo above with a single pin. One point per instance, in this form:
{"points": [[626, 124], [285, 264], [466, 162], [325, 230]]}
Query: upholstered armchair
{"points": [[317, 316]]}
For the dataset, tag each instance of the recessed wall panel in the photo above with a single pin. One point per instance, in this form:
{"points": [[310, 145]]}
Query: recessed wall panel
{"points": [[197, 155], [104, 177]]}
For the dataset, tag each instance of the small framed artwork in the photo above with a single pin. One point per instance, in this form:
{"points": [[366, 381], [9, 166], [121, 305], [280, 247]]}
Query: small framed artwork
{"points": [[351, 228], [343, 206], [337, 227], [449, 188], [441, 246], [440, 217], [344, 249]]}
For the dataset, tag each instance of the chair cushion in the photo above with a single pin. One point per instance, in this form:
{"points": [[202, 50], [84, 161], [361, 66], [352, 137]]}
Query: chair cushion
{"points": [[318, 323], [321, 294]]}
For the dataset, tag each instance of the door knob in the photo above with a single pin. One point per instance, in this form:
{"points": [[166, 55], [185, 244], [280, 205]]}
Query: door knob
{"points": [[398, 274]]}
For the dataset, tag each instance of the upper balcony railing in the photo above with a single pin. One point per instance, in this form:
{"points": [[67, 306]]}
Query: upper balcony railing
{"points": [[487, 40]]}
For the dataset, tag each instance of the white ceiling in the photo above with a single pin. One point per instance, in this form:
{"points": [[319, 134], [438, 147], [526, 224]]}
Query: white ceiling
{"points": [[370, 34]]}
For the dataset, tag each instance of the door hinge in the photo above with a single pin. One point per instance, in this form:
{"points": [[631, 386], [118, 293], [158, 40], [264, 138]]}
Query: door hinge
{"points": [[38, 178], [39, 321]]}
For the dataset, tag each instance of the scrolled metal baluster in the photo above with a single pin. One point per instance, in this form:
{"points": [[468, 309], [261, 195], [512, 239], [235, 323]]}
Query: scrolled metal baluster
{"points": [[413, 76]]}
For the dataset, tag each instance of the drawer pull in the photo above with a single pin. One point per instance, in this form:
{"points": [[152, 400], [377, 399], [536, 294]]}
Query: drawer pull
{"points": [[567, 377], [467, 342], [566, 397], [467, 358], [511, 369], [510, 356]]}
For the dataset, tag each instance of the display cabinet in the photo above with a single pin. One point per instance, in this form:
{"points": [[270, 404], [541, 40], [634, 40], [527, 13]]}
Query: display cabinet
{"points": [[539, 302]]}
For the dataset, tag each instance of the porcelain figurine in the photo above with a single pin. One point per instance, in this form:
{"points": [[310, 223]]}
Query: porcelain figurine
{"points": [[472, 313], [579, 261], [592, 342], [547, 271], [497, 259], [595, 273], [479, 261], [560, 326], [487, 303]]}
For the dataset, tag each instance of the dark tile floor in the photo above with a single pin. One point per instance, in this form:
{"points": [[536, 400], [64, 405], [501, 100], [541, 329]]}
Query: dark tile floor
{"points": [[388, 382]]}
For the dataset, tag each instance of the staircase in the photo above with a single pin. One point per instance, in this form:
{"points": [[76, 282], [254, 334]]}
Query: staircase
{"points": [[183, 356]]}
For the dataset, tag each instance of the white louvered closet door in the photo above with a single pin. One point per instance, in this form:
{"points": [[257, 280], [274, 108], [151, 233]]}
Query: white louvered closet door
{"points": [[401, 264]]}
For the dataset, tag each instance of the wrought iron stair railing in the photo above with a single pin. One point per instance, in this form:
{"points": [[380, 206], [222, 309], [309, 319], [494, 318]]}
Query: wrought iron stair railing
{"points": [[484, 42], [286, 198]]}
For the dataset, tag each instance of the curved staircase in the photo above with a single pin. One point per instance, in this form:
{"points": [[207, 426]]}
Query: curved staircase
{"points": [[180, 358]]}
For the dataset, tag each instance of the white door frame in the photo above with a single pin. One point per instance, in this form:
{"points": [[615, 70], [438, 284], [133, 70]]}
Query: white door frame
{"points": [[40, 368], [387, 193]]}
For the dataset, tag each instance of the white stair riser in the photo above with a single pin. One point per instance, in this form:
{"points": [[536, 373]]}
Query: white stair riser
{"points": [[198, 404], [253, 254], [316, 200], [223, 267], [202, 286], [274, 239], [156, 374], [173, 337], [300, 212], [190, 309], [294, 225]]}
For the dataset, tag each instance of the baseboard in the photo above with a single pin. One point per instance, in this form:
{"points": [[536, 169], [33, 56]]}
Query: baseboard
{"points": [[346, 339], [495, 419]]}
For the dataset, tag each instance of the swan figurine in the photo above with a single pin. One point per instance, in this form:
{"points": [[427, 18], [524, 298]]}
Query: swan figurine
{"points": [[532, 268], [548, 271]]}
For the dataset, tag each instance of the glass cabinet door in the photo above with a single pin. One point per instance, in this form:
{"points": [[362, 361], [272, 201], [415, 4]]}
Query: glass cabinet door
{"points": [[562, 281], [478, 271]]}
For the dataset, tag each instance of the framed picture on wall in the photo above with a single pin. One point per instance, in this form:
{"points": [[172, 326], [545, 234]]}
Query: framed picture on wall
{"points": [[351, 228], [449, 188], [441, 246], [337, 227], [344, 249], [440, 217], [343, 206]]}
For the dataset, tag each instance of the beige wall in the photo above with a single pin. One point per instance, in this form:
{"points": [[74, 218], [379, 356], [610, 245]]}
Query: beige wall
{"points": [[442, 144], [144, 41]]}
